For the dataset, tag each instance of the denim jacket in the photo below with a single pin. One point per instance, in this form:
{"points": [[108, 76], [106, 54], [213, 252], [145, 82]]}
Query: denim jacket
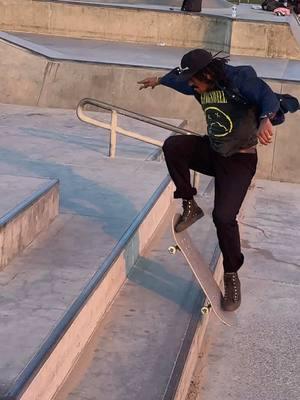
{"points": [[232, 112], [243, 79]]}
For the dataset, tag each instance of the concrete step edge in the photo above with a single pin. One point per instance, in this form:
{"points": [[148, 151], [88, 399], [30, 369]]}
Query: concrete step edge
{"points": [[52, 363], [20, 225]]}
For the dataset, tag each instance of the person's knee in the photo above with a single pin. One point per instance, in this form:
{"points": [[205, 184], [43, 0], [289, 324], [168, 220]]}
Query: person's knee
{"points": [[170, 145], [222, 217]]}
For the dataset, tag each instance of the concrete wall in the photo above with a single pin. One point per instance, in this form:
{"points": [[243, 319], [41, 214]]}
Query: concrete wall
{"points": [[62, 84], [150, 26], [116, 24], [263, 39]]}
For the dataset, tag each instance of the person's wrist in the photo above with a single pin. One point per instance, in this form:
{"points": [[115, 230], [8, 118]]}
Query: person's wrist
{"points": [[267, 116]]}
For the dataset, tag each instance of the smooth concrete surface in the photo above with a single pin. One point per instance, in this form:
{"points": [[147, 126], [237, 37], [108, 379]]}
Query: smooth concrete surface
{"points": [[260, 358], [134, 350], [253, 33], [26, 219], [99, 199]]}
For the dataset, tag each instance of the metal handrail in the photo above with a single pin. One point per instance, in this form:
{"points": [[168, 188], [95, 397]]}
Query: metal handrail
{"points": [[114, 129]]}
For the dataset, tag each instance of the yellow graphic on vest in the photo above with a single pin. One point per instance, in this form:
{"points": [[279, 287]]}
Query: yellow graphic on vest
{"points": [[219, 124], [213, 97]]}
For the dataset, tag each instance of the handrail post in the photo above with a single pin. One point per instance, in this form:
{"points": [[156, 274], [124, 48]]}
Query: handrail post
{"points": [[113, 134]]}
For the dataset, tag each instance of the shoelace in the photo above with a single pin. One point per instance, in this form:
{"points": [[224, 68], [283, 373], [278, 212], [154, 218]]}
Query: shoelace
{"points": [[228, 288], [187, 208]]}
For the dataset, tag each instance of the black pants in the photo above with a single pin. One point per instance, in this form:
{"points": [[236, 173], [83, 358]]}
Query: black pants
{"points": [[232, 178], [192, 5]]}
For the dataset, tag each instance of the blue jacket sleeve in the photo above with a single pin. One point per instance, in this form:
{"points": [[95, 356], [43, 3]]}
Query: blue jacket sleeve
{"points": [[256, 91], [171, 80]]}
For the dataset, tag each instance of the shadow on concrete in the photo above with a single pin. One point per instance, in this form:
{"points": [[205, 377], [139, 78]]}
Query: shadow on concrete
{"points": [[154, 277], [79, 195]]}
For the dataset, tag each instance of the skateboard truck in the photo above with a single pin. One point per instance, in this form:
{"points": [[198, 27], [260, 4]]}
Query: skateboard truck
{"points": [[206, 309], [173, 249]]}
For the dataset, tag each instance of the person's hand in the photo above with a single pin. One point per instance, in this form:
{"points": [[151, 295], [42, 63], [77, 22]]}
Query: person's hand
{"points": [[265, 131], [149, 82]]}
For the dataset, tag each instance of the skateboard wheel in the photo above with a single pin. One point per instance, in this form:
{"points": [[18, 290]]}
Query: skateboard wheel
{"points": [[173, 249], [206, 309]]}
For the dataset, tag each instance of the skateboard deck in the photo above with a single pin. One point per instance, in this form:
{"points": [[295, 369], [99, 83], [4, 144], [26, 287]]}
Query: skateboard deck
{"points": [[202, 273]]}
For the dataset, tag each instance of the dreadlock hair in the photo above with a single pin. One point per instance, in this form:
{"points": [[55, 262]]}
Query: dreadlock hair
{"points": [[216, 71]]}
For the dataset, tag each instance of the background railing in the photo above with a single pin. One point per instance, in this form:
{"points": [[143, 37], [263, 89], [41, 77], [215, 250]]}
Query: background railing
{"points": [[114, 128]]}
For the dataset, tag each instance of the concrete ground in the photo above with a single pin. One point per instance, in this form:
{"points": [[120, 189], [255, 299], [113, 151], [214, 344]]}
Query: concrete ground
{"points": [[260, 358]]}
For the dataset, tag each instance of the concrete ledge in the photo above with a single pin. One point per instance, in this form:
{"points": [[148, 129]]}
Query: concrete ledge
{"points": [[48, 369], [20, 225], [115, 23], [152, 26]]}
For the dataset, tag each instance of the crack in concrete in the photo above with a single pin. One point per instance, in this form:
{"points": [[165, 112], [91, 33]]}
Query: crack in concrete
{"points": [[10, 280], [256, 228], [268, 254], [271, 280]]}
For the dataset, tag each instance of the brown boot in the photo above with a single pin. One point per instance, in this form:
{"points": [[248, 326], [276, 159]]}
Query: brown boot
{"points": [[232, 292], [191, 213]]}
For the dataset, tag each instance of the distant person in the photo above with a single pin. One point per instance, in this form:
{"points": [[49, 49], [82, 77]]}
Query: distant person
{"points": [[271, 5], [192, 5], [239, 108], [297, 8]]}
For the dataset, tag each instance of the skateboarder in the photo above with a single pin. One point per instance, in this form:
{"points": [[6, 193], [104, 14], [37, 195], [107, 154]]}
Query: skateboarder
{"points": [[239, 108]]}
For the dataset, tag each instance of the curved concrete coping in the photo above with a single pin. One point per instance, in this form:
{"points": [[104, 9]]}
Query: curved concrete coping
{"points": [[48, 368]]}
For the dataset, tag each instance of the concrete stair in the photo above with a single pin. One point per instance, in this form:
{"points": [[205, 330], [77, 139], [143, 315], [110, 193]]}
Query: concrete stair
{"points": [[28, 206], [142, 349], [53, 306], [54, 293]]}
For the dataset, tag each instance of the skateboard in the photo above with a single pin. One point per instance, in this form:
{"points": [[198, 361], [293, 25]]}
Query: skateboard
{"points": [[202, 273]]}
